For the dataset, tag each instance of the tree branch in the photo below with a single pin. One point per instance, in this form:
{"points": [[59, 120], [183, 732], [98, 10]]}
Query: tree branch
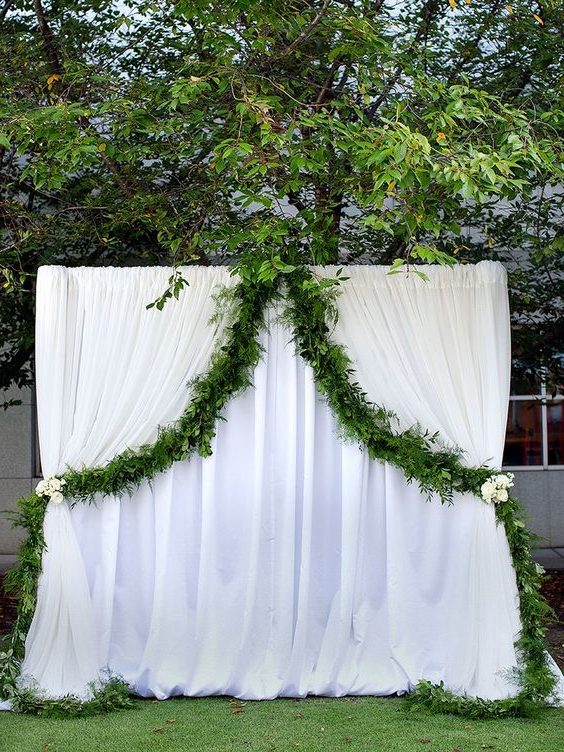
{"points": [[326, 88], [307, 31], [48, 39], [6, 7], [473, 46], [117, 173], [429, 9]]}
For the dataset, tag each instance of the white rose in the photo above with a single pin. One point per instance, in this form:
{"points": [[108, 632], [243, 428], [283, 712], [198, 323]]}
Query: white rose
{"points": [[41, 488], [55, 484], [504, 481], [56, 497], [488, 490], [501, 494]]}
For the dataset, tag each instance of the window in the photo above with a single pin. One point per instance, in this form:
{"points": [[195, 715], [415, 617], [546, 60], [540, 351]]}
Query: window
{"points": [[535, 427]]}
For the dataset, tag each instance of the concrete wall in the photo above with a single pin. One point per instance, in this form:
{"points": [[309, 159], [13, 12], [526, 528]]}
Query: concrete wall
{"points": [[16, 466], [541, 493]]}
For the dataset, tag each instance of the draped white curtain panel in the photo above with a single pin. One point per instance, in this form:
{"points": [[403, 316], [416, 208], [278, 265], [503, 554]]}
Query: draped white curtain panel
{"points": [[287, 563]]}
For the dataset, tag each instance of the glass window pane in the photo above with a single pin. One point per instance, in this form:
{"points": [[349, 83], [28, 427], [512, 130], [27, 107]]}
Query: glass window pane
{"points": [[523, 440], [524, 383], [555, 424]]}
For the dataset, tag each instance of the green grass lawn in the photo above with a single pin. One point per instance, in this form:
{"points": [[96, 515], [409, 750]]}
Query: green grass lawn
{"points": [[220, 725]]}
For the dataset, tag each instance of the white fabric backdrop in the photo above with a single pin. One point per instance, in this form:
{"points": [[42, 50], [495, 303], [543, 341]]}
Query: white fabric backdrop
{"points": [[109, 372], [286, 563]]}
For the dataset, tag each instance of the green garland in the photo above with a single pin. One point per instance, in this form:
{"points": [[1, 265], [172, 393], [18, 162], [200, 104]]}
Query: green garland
{"points": [[113, 694], [437, 470], [230, 372], [309, 312]]}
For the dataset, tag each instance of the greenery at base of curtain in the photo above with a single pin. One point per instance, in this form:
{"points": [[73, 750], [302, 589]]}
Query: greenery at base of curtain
{"points": [[420, 455], [441, 472], [230, 372], [113, 694]]}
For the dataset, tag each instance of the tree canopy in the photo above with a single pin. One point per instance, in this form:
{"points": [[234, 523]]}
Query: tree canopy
{"points": [[319, 131]]}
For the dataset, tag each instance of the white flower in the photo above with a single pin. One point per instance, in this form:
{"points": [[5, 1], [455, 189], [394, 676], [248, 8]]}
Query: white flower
{"points": [[501, 494], [488, 490], [55, 484], [504, 480], [41, 488], [495, 488], [51, 487]]}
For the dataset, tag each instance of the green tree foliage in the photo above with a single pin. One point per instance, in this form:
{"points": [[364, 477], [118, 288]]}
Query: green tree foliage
{"points": [[324, 131]]}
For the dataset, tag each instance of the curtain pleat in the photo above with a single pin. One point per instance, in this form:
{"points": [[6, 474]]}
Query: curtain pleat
{"points": [[109, 373], [287, 563]]}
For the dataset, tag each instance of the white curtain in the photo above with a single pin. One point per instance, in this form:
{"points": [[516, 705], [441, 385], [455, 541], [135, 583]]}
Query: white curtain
{"points": [[286, 563], [109, 372], [436, 351]]}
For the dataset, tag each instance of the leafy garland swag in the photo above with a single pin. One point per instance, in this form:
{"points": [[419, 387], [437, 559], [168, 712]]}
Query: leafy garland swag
{"points": [[309, 311]]}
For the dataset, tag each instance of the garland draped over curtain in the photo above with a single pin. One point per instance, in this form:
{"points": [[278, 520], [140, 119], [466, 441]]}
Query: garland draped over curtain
{"points": [[288, 562]]}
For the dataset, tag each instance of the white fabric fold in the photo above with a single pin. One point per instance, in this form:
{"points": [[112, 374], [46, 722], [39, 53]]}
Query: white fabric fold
{"points": [[287, 563], [62, 641], [109, 373], [436, 352], [109, 370]]}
